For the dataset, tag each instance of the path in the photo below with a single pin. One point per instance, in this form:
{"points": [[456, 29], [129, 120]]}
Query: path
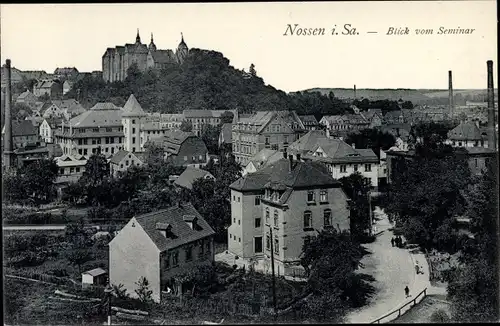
{"points": [[392, 268]]}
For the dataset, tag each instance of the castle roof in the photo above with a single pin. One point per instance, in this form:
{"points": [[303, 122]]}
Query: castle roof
{"points": [[132, 108]]}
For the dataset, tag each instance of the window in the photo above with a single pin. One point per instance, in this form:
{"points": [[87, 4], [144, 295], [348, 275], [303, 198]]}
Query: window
{"points": [[307, 219], [109, 129], [275, 217], [234, 198], [209, 248], [310, 196], [201, 252], [133, 121], [238, 199], [257, 222], [133, 140], [267, 215], [323, 196], [80, 151], [77, 170], [167, 261], [368, 167], [276, 246], [133, 130], [126, 163], [459, 143], [201, 157], [189, 253], [327, 216], [239, 222], [175, 259], [475, 162], [268, 242], [85, 151], [343, 168], [112, 150], [239, 239], [185, 158], [355, 167], [285, 141], [95, 129], [121, 166], [257, 200]]}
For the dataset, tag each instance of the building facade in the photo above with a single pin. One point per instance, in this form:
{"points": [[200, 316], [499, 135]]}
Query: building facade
{"points": [[264, 129], [290, 199], [199, 118]]}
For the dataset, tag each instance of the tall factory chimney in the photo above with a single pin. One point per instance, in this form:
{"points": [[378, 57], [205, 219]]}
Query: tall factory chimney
{"points": [[491, 107], [354, 91], [450, 95], [8, 118]]}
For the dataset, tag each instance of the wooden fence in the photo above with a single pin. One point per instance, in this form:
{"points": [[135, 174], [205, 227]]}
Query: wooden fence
{"points": [[62, 281], [400, 311]]}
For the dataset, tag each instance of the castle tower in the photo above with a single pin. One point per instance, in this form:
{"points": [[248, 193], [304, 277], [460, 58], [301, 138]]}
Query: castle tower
{"points": [[152, 46], [132, 118], [138, 38], [182, 50]]}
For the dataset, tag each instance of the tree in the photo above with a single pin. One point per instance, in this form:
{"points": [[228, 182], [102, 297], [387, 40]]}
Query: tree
{"points": [[252, 70], [226, 117], [96, 169], [210, 136], [371, 138], [407, 105], [143, 291], [186, 126], [37, 179], [356, 188], [154, 155]]}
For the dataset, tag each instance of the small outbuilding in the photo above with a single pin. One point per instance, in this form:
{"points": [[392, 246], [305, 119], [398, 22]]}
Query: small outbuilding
{"points": [[96, 276]]}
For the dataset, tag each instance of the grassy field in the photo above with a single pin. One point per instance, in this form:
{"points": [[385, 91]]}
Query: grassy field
{"points": [[422, 312]]}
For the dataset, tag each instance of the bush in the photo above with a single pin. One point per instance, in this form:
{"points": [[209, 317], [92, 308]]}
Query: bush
{"points": [[440, 316]]}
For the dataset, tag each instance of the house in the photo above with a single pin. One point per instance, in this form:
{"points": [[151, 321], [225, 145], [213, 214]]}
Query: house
{"points": [[66, 73], [71, 168], [160, 246], [47, 128], [27, 98], [99, 129], [262, 159], [373, 116], [52, 88], [122, 160], [309, 121], [36, 152], [393, 117], [340, 158], [346, 122], [293, 199], [226, 133], [198, 118], [67, 86], [190, 175], [96, 276], [54, 112], [264, 129], [23, 133], [171, 121], [401, 131], [182, 148], [69, 108], [466, 134]]}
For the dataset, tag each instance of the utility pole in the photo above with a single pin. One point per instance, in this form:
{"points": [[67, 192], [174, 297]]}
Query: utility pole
{"points": [[272, 268], [370, 212]]}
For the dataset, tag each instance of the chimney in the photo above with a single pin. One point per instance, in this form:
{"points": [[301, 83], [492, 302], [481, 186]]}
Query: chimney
{"points": [[290, 166], [450, 94], [8, 118], [353, 145], [190, 220], [491, 108], [354, 91]]}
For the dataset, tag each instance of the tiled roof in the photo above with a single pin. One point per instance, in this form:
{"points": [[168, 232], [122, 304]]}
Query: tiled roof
{"points": [[24, 95], [119, 156], [465, 131], [45, 84], [302, 174], [23, 128], [54, 122], [132, 108], [265, 157], [163, 56], [197, 114], [190, 175], [308, 119], [172, 140], [182, 233], [101, 115], [72, 106]]}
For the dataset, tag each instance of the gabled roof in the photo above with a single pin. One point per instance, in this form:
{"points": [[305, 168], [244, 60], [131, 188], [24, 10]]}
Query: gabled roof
{"points": [[45, 83], [265, 157], [120, 155], [71, 106], [301, 175], [172, 140], [101, 115], [132, 108], [190, 175], [95, 272], [24, 95], [465, 131], [163, 56], [181, 231]]}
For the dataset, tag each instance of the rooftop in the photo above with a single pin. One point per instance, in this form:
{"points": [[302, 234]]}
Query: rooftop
{"points": [[190, 175]]}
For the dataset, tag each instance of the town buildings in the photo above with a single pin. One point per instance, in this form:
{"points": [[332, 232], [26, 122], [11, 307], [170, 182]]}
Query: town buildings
{"points": [[49, 87], [27, 98], [116, 61], [290, 199], [132, 118], [340, 158], [261, 160], [99, 129], [47, 128], [350, 122], [66, 73], [264, 129], [182, 148], [23, 133], [123, 159], [199, 118], [309, 121], [71, 168], [160, 246], [466, 134]]}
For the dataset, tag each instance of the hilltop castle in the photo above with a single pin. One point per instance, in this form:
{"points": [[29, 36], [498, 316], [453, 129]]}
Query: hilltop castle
{"points": [[116, 61]]}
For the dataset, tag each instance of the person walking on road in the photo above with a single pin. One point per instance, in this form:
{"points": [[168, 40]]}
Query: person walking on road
{"points": [[407, 291]]}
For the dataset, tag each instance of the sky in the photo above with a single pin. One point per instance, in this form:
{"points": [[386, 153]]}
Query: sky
{"points": [[44, 37]]}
